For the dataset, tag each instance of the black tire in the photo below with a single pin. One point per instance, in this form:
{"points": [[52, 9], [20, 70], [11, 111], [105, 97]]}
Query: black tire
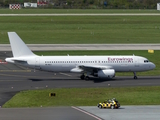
{"points": [[82, 77], [135, 77], [100, 106]]}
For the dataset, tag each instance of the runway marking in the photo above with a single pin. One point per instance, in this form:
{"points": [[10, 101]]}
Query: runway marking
{"points": [[16, 75], [26, 76], [11, 80], [19, 76], [1, 62], [65, 74], [87, 113]]}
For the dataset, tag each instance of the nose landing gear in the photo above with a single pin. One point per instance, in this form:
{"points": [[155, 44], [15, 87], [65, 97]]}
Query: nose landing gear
{"points": [[135, 76]]}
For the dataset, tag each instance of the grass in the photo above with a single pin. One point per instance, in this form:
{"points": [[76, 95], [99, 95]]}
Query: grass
{"points": [[85, 97], [82, 29], [49, 11], [155, 58]]}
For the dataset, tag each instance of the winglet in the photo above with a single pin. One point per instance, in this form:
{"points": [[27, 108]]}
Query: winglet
{"points": [[19, 48]]}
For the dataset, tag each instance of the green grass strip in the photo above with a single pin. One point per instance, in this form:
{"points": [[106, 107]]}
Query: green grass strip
{"points": [[85, 97], [82, 29]]}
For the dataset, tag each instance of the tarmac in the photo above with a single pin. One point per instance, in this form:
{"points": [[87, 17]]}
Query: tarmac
{"points": [[148, 112], [52, 113], [47, 47]]}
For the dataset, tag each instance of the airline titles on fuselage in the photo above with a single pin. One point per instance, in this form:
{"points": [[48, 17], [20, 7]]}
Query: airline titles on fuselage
{"points": [[120, 59]]}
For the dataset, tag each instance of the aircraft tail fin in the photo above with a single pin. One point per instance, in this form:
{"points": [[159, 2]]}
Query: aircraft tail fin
{"points": [[19, 48]]}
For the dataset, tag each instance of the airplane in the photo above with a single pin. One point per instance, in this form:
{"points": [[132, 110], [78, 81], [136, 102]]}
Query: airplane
{"points": [[96, 66]]}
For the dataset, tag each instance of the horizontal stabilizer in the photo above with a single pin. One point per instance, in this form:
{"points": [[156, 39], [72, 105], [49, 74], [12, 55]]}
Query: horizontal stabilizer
{"points": [[16, 60]]}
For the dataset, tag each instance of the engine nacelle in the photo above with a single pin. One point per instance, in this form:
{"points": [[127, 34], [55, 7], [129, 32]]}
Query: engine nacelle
{"points": [[106, 73]]}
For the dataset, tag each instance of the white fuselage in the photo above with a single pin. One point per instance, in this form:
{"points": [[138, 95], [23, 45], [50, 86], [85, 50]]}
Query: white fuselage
{"points": [[67, 63]]}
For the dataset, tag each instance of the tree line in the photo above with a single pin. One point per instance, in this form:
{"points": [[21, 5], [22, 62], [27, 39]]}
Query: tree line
{"points": [[94, 4]]}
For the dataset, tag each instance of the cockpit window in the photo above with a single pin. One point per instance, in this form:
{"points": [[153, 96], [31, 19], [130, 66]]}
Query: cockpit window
{"points": [[146, 61]]}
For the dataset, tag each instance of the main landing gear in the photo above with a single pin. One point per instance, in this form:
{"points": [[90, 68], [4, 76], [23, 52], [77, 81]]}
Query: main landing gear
{"points": [[83, 77], [135, 76]]}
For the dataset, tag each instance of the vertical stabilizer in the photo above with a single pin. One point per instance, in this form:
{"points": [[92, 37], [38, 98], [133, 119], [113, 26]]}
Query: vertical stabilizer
{"points": [[19, 48]]}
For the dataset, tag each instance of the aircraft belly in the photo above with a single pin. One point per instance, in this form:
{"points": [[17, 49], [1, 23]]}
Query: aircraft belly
{"points": [[67, 67], [129, 69], [57, 68], [124, 68]]}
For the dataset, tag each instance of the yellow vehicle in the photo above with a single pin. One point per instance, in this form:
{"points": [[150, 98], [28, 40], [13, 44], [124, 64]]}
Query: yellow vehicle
{"points": [[112, 103]]}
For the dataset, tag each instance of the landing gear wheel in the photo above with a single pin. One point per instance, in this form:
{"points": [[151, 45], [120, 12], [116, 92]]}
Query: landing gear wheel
{"points": [[82, 77], [135, 77]]}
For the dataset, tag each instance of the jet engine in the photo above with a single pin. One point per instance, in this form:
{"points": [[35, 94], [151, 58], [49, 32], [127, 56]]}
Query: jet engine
{"points": [[110, 73]]}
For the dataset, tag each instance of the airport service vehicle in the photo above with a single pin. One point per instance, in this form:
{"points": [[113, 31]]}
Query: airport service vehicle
{"points": [[112, 103], [97, 66]]}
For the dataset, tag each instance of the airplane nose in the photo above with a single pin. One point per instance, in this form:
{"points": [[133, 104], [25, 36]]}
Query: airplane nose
{"points": [[153, 65]]}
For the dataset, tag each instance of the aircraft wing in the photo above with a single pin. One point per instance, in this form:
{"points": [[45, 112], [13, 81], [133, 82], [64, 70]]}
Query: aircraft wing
{"points": [[89, 68]]}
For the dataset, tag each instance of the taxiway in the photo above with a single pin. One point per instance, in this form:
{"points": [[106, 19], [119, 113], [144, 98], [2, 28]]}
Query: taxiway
{"points": [[16, 78], [40, 47]]}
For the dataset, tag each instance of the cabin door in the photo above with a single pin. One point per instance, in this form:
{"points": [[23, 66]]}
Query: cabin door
{"points": [[136, 62]]}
